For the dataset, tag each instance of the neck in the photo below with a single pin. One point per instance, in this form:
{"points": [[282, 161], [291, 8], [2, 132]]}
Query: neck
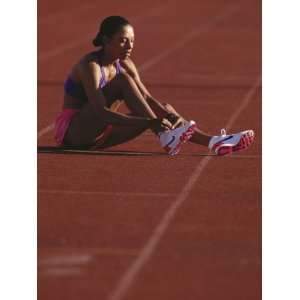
{"points": [[106, 59]]}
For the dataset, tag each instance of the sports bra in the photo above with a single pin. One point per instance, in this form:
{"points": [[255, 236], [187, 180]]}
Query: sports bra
{"points": [[76, 89]]}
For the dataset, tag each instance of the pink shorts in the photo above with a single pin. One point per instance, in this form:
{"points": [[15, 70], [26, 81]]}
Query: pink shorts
{"points": [[62, 123]]}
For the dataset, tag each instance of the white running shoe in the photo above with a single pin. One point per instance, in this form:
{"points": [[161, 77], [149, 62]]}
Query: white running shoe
{"points": [[226, 144], [172, 140]]}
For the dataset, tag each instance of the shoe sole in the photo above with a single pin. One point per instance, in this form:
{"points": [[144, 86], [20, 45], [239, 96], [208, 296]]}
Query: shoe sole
{"points": [[185, 136], [245, 141]]}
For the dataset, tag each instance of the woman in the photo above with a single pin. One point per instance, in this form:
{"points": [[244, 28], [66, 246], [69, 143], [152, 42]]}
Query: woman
{"points": [[104, 79]]}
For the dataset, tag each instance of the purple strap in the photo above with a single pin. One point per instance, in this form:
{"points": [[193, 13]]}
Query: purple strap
{"points": [[118, 67], [103, 81]]}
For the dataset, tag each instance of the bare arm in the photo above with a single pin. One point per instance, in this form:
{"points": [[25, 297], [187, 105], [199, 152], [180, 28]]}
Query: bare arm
{"points": [[90, 75], [131, 69]]}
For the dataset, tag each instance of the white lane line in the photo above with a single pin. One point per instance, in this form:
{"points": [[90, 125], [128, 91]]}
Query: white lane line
{"points": [[61, 271], [99, 193], [151, 62], [45, 130], [156, 11], [233, 80], [64, 265], [65, 260], [244, 104], [218, 78], [149, 248]]}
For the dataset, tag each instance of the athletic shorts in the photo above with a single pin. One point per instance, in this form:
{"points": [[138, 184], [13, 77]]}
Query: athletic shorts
{"points": [[62, 123]]}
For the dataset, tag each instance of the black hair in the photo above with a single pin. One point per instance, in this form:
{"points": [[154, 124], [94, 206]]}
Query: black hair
{"points": [[108, 28]]}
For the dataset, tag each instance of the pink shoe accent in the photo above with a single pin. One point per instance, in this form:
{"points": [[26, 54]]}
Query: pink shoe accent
{"points": [[185, 136], [245, 141]]}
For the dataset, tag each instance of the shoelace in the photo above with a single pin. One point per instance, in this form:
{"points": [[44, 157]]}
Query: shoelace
{"points": [[223, 131]]}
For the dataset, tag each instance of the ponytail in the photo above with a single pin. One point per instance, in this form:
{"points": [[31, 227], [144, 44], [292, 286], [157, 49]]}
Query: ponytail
{"points": [[110, 26], [98, 40]]}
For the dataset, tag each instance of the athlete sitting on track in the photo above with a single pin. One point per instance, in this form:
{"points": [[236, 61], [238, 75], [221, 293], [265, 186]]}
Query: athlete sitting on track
{"points": [[105, 78]]}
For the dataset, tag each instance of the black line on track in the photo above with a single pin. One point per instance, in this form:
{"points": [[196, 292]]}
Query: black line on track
{"points": [[81, 151]]}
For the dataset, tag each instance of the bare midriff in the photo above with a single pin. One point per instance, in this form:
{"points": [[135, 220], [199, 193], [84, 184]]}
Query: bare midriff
{"points": [[74, 103], [71, 102]]}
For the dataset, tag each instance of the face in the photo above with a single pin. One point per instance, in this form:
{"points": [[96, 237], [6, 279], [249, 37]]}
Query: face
{"points": [[121, 44]]}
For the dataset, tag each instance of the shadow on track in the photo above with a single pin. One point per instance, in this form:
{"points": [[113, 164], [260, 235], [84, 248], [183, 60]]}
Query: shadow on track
{"points": [[82, 151]]}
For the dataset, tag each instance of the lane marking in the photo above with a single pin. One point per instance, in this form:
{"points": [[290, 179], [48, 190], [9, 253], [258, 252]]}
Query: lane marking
{"points": [[244, 103], [65, 260], [147, 251], [46, 130], [94, 252], [234, 81], [131, 274], [61, 271], [230, 81], [176, 46], [120, 194], [217, 78], [64, 265]]}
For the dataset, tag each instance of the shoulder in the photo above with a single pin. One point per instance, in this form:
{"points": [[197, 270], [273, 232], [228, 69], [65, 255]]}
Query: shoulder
{"points": [[88, 64], [90, 60]]}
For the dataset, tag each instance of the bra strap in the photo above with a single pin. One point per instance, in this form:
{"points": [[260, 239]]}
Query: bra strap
{"points": [[103, 80]]}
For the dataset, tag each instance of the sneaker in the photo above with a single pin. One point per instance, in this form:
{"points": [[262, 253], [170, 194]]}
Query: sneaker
{"points": [[172, 140], [226, 144]]}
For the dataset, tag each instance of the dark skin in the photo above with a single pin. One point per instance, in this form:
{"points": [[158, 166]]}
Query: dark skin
{"points": [[127, 87]]}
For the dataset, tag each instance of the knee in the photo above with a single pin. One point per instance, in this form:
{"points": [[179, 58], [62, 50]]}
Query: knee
{"points": [[168, 106], [125, 79], [171, 109]]}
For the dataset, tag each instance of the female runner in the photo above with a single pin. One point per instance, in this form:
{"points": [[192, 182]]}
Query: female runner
{"points": [[104, 79]]}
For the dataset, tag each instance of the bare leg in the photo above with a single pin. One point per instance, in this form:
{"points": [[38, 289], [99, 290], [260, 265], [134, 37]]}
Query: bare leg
{"points": [[86, 125], [84, 128], [123, 87], [119, 135]]}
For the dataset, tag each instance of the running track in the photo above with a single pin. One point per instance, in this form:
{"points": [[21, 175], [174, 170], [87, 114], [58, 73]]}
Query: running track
{"points": [[140, 225]]}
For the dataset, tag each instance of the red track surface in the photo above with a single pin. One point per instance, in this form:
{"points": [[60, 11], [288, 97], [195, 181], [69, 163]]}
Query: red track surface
{"points": [[98, 215]]}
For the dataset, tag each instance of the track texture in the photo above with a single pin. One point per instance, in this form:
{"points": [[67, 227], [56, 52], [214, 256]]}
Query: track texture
{"points": [[99, 216]]}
